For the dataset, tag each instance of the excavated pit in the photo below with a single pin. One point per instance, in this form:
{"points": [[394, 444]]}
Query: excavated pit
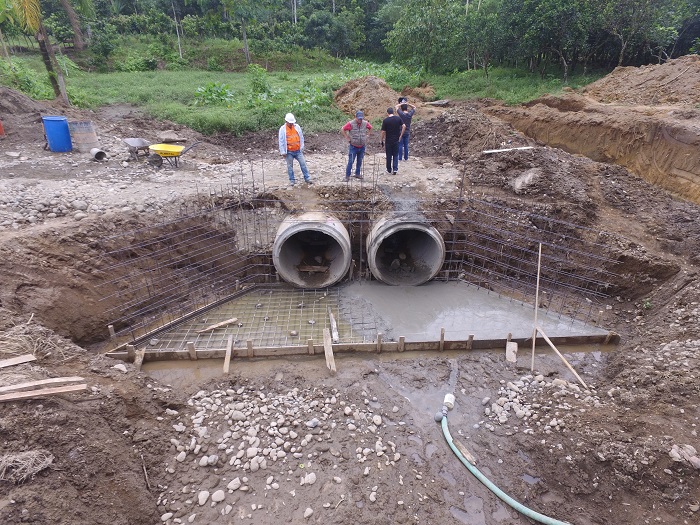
{"points": [[130, 269]]}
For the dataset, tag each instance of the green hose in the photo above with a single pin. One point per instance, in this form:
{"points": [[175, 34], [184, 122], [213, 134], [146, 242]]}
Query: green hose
{"points": [[493, 488]]}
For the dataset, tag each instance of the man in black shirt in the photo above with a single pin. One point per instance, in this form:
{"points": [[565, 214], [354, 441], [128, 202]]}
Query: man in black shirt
{"points": [[392, 131]]}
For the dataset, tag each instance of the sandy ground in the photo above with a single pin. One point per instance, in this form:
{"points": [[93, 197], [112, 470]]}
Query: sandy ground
{"points": [[619, 452]]}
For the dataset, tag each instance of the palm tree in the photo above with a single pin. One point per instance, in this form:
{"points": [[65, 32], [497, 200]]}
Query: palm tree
{"points": [[27, 14]]}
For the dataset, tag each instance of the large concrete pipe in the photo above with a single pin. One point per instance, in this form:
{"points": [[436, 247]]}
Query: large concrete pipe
{"points": [[404, 249], [312, 250]]}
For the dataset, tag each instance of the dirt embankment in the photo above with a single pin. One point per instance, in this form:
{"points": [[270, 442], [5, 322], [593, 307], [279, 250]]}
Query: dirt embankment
{"points": [[642, 118]]}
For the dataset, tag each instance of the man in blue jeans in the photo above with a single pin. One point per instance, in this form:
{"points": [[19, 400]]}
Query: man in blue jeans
{"points": [[406, 116], [356, 132], [291, 142]]}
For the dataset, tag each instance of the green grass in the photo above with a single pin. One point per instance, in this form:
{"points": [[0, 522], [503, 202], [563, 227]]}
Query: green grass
{"points": [[258, 101], [513, 86]]}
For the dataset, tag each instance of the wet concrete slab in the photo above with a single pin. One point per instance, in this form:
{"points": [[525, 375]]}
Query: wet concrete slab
{"points": [[420, 312]]}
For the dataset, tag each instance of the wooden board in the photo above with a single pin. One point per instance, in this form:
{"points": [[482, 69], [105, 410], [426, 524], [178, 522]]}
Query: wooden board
{"points": [[218, 325], [40, 393], [328, 349], [313, 269], [41, 382], [17, 360]]}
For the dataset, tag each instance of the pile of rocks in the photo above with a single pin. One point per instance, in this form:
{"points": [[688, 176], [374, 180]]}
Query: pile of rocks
{"points": [[237, 448], [534, 404]]}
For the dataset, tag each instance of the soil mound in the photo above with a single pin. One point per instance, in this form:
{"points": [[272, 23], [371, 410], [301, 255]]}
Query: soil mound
{"points": [[675, 82], [15, 103], [463, 131], [369, 94]]}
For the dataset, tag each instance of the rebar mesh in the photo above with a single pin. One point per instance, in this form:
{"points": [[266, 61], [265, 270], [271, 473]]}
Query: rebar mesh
{"points": [[217, 245]]}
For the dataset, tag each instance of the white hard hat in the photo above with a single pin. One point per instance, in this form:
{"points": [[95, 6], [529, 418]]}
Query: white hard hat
{"points": [[290, 118]]}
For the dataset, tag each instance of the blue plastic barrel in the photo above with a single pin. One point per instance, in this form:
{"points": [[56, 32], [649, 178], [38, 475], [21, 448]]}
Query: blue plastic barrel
{"points": [[57, 133]]}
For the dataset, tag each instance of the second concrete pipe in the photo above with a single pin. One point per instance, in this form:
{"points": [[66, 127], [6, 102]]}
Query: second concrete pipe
{"points": [[403, 249]]}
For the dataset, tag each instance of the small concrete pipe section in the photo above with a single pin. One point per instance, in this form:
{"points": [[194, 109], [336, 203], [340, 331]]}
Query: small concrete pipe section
{"points": [[312, 250], [404, 250]]}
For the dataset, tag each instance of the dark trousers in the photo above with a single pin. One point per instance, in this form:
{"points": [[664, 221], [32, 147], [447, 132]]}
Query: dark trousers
{"points": [[392, 156]]}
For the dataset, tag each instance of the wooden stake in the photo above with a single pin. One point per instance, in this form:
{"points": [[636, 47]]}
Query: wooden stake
{"points": [[14, 396], [328, 349], [218, 325], [249, 346], [192, 351], [112, 333], [310, 346], [227, 359], [442, 339], [138, 359], [512, 352], [470, 341], [402, 341], [538, 329], [334, 327], [379, 343], [130, 353], [17, 360]]}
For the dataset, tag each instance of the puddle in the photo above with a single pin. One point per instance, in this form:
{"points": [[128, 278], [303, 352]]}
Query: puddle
{"points": [[417, 459], [472, 513], [523, 456], [430, 449], [448, 477], [530, 480], [502, 514]]}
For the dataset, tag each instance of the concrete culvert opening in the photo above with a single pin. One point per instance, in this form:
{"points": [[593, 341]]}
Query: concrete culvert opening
{"points": [[312, 250], [404, 251]]}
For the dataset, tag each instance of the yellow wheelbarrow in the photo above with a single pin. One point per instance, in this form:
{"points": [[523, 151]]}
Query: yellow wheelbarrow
{"points": [[169, 152]]}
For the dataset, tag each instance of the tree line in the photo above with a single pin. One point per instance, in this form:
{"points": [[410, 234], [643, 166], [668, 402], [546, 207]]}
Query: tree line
{"points": [[439, 36]]}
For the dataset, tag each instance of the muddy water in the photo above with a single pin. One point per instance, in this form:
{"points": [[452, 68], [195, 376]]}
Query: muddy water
{"points": [[420, 312], [285, 316]]}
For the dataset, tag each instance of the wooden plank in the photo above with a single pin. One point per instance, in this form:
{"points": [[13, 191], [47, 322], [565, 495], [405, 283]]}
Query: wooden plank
{"points": [[227, 359], [15, 396], [328, 349], [313, 269], [41, 382], [387, 346], [17, 360], [549, 342], [506, 149], [335, 336], [218, 325]]}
